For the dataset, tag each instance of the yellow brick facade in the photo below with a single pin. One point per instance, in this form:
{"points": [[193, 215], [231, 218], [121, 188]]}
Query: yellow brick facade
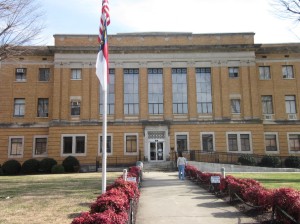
{"points": [[143, 51]]}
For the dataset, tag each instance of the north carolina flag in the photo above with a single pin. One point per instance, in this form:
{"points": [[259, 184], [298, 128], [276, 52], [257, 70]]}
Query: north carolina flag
{"points": [[102, 57]]}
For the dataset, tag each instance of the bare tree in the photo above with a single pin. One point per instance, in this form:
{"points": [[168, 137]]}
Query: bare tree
{"points": [[21, 23], [287, 9]]}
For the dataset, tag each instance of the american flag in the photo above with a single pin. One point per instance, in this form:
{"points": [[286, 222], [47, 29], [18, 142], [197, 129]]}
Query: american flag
{"points": [[102, 58]]}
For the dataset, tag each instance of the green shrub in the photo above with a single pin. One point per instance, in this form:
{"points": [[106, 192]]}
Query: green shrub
{"points": [[58, 169], [247, 160], [46, 164], [11, 167], [270, 161], [292, 162], [71, 164], [30, 166]]}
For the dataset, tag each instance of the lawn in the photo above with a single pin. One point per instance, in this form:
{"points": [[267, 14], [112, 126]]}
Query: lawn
{"points": [[55, 198], [273, 180]]}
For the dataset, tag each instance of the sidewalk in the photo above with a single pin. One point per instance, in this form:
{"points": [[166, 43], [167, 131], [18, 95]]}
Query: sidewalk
{"points": [[165, 199]]}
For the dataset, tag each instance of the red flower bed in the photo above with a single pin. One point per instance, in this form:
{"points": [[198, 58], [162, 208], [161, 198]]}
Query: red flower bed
{"points": [[106, 217]]}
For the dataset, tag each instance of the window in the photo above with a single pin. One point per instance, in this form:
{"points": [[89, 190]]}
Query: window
{"points": [[42, 108], [287, 72], [155, 91], [207, 140], [131, 91], [16, 147], [235, 106], [271, 142], [267, 104], [75, 108], [233, 72], [181, 142], [294, 142], [204, 93], [40, 146], [131, 143], [73, 144], [44, 74], [108, 144], [76, 74], [21, 74], [264, 73], [238, 142], [110, 94], [179, 89], [290, 104], [19, 107]]}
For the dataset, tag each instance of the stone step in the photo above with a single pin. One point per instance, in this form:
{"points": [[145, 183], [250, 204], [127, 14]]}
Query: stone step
{"points": [[158, 166]]}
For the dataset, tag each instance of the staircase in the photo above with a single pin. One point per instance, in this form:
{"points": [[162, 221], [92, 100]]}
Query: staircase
{"points": [[158, 166]]}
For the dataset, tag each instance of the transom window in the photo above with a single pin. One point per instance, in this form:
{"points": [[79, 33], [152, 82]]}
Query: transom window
{"points": [[264, 73], [44, 74], [110, 94], [287, 72], [131, 91], [16, 146], [42, 108], [238, 142], [131, 143], [155, 91], [267, 104], [108, 144], [40, 146], [21, 74], [233, 72], [204, 91], [179, 89], [75, 74], [19, 107], [271, 142], [73, 144]]}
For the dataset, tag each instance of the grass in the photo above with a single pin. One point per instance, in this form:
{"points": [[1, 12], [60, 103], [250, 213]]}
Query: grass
{"points": [[273, 180], [37, 199]]}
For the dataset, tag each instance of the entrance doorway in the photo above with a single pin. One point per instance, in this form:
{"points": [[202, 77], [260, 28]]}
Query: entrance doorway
{"points": [[156, 150]]}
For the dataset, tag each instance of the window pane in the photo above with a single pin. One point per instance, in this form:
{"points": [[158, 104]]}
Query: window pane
{"points": [[75, 108], [181, 143], [42, 110], [19, 107], [232, 142], [270, 142], [40, 146], [131, 143], [207, 143], [267, 104], [76, 73], [203, 88], [235, 106], [179, 90], [80, 144], [16, 147], [131, 91], [67, 145], [44, 74], [294, 142], [245, 142]]}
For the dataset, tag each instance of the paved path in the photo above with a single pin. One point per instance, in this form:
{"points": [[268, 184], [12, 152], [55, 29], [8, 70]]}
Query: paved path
{"points": [[165, 199]]}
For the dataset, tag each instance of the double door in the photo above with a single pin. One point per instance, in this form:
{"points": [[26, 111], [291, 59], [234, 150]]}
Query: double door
{"points": [[156, 150]]}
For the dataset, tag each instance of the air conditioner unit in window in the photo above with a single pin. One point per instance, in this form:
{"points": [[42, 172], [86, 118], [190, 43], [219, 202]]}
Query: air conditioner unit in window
{"points": [[268, 116], [20, 70], [75, 103], [292, 116]]}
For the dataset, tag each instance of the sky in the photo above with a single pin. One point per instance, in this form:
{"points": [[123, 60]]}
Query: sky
{"points": [[194, 16]]}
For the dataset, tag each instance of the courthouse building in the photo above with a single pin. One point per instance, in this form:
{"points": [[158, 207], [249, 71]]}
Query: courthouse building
{"points": [[167, 92]]}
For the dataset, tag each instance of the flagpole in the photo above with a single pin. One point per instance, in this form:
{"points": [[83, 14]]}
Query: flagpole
{"points": [[104, 139]]}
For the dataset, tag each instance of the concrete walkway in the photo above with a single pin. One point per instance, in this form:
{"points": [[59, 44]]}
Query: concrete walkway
{"points": [[165, 199]]}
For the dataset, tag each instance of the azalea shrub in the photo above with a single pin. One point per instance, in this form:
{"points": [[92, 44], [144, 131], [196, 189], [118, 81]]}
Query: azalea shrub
{"points": [[252, 192], [112, 207]]}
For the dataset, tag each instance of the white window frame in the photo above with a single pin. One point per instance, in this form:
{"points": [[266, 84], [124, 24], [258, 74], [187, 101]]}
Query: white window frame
{"points": [[99, 145], [277, 142], [214, 142], [62, 154], [291, 133], [137, 144], [9, 147], [239, 142], [33, 149], [188, 141]]}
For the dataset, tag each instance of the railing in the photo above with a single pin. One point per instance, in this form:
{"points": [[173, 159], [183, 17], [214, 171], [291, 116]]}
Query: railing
{"points": [[221, 157]]}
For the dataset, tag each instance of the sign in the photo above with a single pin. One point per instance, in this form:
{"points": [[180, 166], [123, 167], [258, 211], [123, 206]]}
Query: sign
{"points": [[131, 179], [215, 179]]}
